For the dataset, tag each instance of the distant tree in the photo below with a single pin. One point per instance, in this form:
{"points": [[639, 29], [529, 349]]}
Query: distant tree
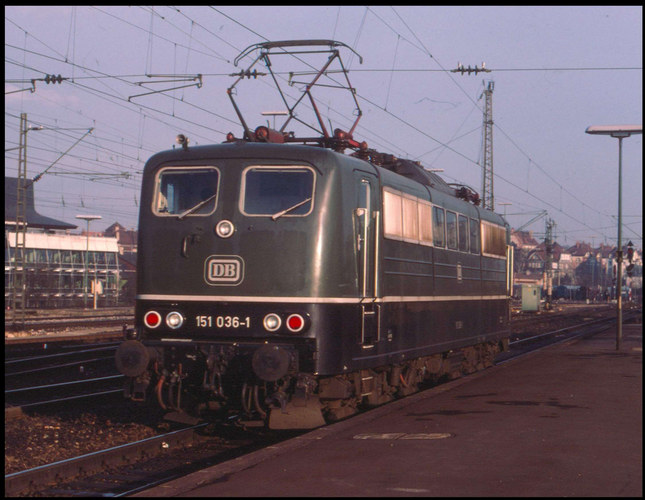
{"points": [[588, 273]]}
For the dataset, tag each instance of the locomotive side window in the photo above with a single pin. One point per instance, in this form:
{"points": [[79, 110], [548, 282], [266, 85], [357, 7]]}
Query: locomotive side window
{"points": [[410, 220], [451, 230], [474, 236], [406, 217], [463, 233], [392, 215], [277, 191], [438, 227], [493, 240], [425, 223], [186, 191]]}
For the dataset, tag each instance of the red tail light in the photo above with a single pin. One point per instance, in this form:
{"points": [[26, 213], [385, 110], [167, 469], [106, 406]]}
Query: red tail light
{"points": [[152, 319], [295, 323]]}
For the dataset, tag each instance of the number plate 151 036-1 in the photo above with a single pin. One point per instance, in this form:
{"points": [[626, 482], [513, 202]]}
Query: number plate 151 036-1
{"points": [[223, 322]]}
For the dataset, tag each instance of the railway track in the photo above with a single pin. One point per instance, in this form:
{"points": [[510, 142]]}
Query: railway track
{"points": [[53, 320], [196, 451], [53, 324], [75, 355], [532, 343], [47, 379], [125, 469], [27, 480], [62, 393]]}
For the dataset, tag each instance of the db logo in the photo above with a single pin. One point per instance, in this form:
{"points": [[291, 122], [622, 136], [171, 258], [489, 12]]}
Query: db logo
{"points": [[224, 270]]}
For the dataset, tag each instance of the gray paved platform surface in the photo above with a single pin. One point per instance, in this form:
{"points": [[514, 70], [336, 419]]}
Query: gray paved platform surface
{"points": [[565, 421]]}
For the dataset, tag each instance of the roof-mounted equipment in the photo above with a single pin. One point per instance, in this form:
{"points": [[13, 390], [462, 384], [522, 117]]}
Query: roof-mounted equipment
{"points": [[267, 50]]}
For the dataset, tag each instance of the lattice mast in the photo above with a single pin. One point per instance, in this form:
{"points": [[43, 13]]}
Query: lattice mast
{"points": [[19, 277], [488, 198]]}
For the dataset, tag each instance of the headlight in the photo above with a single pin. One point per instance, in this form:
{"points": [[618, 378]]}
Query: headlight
{"points": [[224, 229], [272, 322], [174, 320]]}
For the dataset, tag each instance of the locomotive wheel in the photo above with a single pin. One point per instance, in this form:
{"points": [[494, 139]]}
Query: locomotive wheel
{"points": [[131, 358]]}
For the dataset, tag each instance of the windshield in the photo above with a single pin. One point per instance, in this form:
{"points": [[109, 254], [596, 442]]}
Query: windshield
{"points": [[278, 191], [186, 191]]}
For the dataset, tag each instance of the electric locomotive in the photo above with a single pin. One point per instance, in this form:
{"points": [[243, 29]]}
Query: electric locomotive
{"points": [[293, 283]]}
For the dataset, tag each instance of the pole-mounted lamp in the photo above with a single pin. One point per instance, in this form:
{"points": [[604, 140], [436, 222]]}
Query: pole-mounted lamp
{"points": [[619, 132], [87, 218]]}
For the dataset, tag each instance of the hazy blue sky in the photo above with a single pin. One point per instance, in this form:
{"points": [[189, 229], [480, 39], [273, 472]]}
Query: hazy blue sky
{"points": [[556, 70]]}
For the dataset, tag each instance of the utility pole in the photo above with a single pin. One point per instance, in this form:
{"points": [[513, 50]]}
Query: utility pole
{"points": [[548, 243], [19, 275], [19, 298], [593, 262], [488, 199]]}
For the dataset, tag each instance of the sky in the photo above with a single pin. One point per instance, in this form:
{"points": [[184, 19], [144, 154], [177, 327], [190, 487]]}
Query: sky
{"points": [[130, 85]]}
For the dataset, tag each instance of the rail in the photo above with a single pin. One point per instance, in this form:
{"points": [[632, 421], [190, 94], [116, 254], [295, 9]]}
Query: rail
{"points": [[24, 481]]}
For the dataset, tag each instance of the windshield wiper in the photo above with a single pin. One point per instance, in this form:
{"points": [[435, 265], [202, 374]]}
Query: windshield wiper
{"points": [[280, 214], [196, 207]]}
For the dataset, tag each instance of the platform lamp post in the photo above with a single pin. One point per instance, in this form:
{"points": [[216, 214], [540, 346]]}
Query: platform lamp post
{"points": [[619, 132], [87, 218]]}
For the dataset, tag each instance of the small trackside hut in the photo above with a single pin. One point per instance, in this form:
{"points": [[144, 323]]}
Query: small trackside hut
{"points": [[289, 283]]}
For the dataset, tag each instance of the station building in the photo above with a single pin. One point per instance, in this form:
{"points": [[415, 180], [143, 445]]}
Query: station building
{"points": [[55, 262]]}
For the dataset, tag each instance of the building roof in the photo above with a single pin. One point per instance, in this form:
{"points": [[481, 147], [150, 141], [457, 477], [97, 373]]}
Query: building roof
{"points": [[523, 239], [557, 251], [580, 249], [605, 251], [114, 228], [126, 237], [34, 219]]}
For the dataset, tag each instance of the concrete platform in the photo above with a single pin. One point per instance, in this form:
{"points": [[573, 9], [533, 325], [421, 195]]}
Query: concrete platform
{"points": [[564, 421]]}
